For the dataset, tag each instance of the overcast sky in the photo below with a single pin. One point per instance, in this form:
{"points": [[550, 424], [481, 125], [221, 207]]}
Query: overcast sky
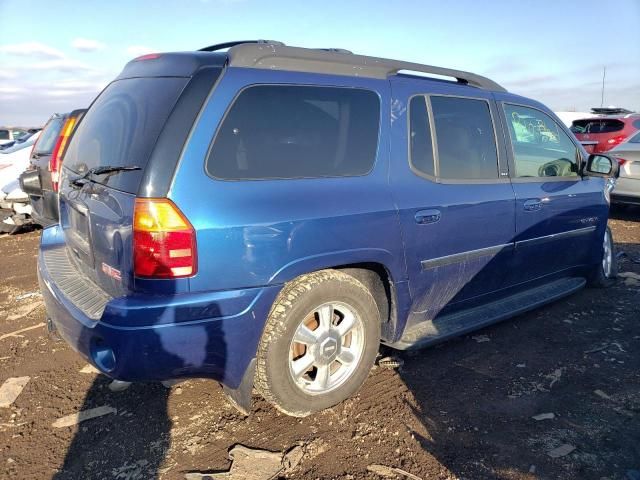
{"points": [[56, 56]]}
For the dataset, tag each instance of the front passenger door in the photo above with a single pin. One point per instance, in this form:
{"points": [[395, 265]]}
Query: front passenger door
{"points": [[559, 215]]}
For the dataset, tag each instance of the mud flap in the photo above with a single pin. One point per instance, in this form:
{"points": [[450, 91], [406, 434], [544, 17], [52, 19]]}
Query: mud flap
{"points": [[241, 397]]}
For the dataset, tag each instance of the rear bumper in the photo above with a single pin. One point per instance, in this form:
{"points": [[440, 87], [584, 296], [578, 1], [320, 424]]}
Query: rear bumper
{"points": [[150, 338]]}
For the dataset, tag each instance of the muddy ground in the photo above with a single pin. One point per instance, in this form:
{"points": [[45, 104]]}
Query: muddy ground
{"points": [[462, 409]]}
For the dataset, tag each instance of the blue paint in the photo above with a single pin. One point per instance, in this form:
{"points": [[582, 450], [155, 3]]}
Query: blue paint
{"points": [[253, 236]]}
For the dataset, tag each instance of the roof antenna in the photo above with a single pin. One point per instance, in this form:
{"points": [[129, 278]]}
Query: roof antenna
{"points": [[604, 73]]}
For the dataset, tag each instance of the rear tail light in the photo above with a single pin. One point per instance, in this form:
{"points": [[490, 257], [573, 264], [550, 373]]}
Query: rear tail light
{"points": [[616, 140], [621, 161], [58, 151], [164, 242]]}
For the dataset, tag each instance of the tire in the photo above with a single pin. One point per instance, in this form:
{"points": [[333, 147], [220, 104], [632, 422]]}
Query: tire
{"points": [[325, 302], [603, 276]]}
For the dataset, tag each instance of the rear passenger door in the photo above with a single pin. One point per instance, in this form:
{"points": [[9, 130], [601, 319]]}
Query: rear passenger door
{"points": [[450, 183], [557, 211]]}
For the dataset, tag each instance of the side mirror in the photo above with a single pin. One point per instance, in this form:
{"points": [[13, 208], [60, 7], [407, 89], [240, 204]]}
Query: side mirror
{"points": [[599, 165]]}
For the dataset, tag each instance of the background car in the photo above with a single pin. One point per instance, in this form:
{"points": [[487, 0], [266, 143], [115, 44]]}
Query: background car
{"points": [[627, 190], [15, 209], [602, 133], [40, 181], [22, 143], [8, 135]]}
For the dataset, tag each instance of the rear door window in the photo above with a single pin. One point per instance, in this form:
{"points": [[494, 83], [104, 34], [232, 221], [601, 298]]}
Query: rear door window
{"points": [[540, 147], [290, 131], [122, 127], [47, 140], [465, 138]]}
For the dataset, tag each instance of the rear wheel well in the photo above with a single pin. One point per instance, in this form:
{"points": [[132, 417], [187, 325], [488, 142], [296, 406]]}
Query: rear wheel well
{"points": [[378, 281]]}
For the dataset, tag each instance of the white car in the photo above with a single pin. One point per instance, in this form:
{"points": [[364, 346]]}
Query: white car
{"points": [[9, 135], [15, 209], [627, 190]]}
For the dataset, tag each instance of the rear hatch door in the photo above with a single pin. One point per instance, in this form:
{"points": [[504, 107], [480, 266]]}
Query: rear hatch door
{"points": [[96, 209]]}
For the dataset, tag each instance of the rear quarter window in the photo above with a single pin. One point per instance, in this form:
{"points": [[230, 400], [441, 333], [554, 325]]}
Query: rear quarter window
{"points": [[286, 131]]}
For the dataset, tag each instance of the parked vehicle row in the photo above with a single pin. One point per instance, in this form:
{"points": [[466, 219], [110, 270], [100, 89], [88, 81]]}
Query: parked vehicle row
{"points": [[30, 167], [268, 216], [41, 180]]}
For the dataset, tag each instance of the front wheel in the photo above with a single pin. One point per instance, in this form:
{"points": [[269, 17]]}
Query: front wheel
{"points": [[319, 343], [606, 271]]}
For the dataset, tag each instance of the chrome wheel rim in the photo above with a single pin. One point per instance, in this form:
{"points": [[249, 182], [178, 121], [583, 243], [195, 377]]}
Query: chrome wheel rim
{"points": [[607, 257], [326, 348]]}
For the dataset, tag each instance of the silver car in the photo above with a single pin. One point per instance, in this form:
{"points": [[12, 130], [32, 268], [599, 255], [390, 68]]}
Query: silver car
{"points": [[627, 190]]}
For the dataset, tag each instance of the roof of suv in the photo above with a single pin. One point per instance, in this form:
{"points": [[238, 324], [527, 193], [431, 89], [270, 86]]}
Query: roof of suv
{"points": [[273, 55]]}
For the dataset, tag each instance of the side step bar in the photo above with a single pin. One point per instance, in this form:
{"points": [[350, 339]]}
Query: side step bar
{"points": [[452, 325]]}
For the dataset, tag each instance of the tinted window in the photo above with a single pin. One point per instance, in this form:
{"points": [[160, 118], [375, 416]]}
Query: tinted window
{"points": [[597, 126], [636, 124], [121, 128], [540, 147], [635, 138], [4, 134], [465, 138], [48, 137], [275, 131], [420, 136]]}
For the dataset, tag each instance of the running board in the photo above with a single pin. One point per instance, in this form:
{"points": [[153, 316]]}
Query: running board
{"points": [[452, 325]]}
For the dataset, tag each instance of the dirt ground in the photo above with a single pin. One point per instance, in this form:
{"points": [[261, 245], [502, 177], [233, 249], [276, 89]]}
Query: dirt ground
{"points": [[460, 410]]}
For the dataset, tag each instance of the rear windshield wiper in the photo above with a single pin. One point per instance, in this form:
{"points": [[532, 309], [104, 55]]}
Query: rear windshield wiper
{"points": [[80, 181]]}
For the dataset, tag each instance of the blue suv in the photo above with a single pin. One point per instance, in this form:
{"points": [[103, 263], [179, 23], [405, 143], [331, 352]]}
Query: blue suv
{"points": [[267, 216]]}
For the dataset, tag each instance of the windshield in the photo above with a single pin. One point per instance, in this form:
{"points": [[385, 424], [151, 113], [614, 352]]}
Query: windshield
{"points": [[121, 128]]}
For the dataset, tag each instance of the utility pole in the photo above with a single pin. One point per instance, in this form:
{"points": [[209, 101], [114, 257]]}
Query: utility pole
{"points": [[604, 74]]}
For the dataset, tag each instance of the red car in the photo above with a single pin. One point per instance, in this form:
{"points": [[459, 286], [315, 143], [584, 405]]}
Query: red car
{"points": [[602, 133]]}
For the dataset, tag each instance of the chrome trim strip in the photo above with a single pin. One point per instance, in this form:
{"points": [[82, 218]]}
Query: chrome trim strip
{"points": [[464, 256], [555, 236]]}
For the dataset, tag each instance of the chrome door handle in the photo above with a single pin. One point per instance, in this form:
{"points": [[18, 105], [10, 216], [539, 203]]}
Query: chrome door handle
{"points": [[427, 216], [533, 205]]}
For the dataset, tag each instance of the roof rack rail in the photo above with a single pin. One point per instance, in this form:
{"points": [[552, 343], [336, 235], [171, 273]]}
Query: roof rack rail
{"points": [[222, 46], [277, 56]]}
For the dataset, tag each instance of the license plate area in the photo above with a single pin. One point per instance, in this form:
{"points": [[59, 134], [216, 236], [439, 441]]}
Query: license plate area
{"points": [[78, 234]]}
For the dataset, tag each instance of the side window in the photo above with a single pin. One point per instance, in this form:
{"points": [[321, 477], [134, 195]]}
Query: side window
{"points": [[287, 131], [420, 136], [635, 138], [540, 147], [465, 138], [4, 134]]}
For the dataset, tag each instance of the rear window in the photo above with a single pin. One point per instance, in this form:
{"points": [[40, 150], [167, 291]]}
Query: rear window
{"points": [[122, 127], [48, 137], [284, 131], [597, 126]]}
